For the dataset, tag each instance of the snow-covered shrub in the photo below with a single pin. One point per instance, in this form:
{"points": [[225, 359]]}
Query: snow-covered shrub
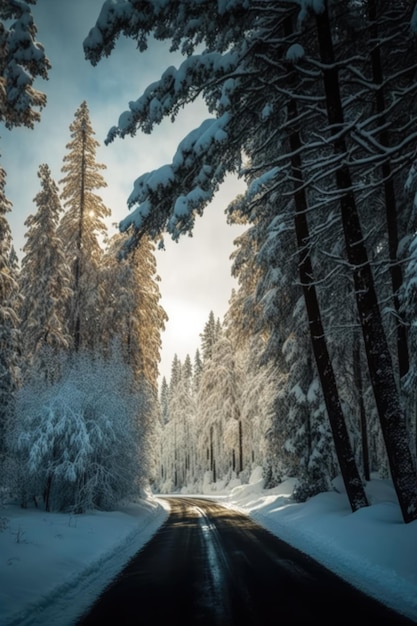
{"points": [[78, 441]]}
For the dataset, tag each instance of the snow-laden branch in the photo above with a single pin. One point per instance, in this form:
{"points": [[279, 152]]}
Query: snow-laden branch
{"points": [[176, 87], [191, 178], [183, 22], [22, 60]]}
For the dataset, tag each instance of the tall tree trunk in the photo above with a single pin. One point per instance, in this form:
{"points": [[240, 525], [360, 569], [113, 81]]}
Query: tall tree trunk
{"points": [[240, 447], [389, 191], [344, 452], [357, 377], [380, 366], [78, 260]]}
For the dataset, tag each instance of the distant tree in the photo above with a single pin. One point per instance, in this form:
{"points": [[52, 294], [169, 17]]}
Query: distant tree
{"points": [[22, 60], [181, 432], [44, 280], [175, 378], [197, 371], [209, 336], [219, 422], [164, 400], [151, 317], [187, 373], [178, 468], [81, 226]]}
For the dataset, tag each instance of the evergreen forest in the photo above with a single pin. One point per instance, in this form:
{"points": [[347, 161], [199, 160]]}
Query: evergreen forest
{"points": [[312, 372]]}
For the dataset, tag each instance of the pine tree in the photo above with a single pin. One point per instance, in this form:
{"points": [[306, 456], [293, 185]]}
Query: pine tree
{"points": [[209, 336], [164, 401], [187, 373], [376, 346], [197, 371], [44, 281], [9, 334], [182, 409], [81, 226], [131, 311], [220, 424], [175, 378], [22, 60]]}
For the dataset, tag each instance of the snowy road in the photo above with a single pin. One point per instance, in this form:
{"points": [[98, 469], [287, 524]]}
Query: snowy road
{"points": [[209, 565]]}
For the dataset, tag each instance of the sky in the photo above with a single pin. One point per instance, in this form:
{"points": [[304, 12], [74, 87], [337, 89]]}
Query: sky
{"points": [[372, 548], [195, 273]]}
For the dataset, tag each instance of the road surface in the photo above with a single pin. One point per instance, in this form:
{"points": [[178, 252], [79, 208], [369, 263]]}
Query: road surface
{"points": [[211, 566]]}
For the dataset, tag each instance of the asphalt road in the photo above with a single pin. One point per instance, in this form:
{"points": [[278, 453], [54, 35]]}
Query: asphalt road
{"points": [[211, 566]]}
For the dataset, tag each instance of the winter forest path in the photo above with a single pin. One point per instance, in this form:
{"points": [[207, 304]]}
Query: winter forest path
{"points": [[212, 566]]}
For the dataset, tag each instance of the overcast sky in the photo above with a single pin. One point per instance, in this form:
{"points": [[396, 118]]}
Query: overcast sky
{"points": [[195, 273]]}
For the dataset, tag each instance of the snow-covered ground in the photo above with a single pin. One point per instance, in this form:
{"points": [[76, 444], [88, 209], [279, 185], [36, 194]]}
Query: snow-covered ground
{"points": [[53, 565]]}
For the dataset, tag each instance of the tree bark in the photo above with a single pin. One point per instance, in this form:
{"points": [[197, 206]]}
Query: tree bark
{"points": [[389, 192], [380, 365], [357, 377], [344, 452], [78, 260]]}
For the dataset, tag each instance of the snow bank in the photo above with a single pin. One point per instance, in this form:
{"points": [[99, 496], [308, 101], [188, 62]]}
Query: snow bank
{"points": [[372, 548], [53, 566]]}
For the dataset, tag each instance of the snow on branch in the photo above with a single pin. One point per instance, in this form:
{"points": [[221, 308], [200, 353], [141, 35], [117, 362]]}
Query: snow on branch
{"points": [[185, 23], [261, 182], [22, 60], [191, 179], [175, 87]]}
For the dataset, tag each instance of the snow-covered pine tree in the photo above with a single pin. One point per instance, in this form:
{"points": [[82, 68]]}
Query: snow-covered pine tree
{"points": [[197, 371], [22, 60], [177, 438], [164, 400], [175, 377], [181, 430], [221, 425], [44, 282], [209, 336], [9, 322], [237, 75], [187, 373], [131, 312], [81, 227]]}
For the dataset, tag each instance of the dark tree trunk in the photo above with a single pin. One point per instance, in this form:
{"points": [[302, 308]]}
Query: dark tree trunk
{"points": [[344, 452], [380, 365], [389, 192], [78, 261], [47, 493], [357, 377], [240, 447]]}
